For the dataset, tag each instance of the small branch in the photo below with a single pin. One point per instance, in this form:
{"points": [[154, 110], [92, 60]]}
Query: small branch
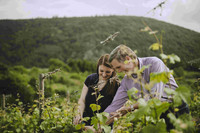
{"points": [[151, 31], [46, 75], [158, 6], [110, 38]]}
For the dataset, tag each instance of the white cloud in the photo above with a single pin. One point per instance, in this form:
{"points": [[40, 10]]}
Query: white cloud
{"points": [[185, 13], [181, 12], [12, 9]]}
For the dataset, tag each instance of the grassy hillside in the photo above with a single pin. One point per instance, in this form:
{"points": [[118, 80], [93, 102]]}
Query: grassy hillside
{"points": [[33, 42]]}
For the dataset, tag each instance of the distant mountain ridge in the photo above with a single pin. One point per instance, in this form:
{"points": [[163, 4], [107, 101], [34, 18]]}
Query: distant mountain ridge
{"points": [[33, 42]]}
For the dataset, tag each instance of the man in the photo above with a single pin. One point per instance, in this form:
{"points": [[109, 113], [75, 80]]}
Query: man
{"points": [[123, 59]]}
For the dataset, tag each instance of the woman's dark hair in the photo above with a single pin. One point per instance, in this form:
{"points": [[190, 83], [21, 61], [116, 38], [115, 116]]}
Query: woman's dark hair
{"points": [[111, 84]]}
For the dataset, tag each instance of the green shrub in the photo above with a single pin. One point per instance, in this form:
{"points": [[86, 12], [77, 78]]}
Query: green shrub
{"points": [[75, 76]]}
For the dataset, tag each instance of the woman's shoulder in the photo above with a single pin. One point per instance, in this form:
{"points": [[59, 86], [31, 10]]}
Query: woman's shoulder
{"points": [[92, 76]]}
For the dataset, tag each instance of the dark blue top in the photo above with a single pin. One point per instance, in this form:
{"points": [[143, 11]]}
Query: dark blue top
{"points": [[90, 82]]}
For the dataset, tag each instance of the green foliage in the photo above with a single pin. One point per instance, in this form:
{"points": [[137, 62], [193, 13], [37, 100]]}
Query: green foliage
{"points": [[172, 58], [56, 63], [95, 107], [99, 122], [14, 81], [195, 103], [35, 41], [160, 77], [181, 93], [81, 65], [179, 71], [154, 46], [56, 117], [183, 123], [160, 127], [15, 119], [147, 118]]}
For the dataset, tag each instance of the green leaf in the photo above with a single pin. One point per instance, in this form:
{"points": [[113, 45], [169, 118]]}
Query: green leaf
{"points": [[177, 100], [85, 118], [160, 77], [18, 130], [99, 97], [137, 114], [158, 108], [131, 92], [184, 93], [153, 32], [171, 59], [169, 91], [94, 121], [142, 103], [172, 117], [174, 58], [95, 107], [154, 46], [160, 127], [102, 117], [143, 68], [126, 62], [80, 126], [163, 56], [106, 128]]}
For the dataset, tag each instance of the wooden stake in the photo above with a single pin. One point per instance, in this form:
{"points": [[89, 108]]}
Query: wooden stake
{"points": [[3, 101]]}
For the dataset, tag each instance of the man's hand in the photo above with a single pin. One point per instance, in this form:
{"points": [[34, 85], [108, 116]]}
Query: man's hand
{"points": [[120, 112], [123, 110]]}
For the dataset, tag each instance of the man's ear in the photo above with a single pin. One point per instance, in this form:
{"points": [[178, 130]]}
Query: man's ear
{"points": [[128, 58]]}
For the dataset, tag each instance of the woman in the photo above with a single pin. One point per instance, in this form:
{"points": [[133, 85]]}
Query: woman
{"points": [[107, 83]]}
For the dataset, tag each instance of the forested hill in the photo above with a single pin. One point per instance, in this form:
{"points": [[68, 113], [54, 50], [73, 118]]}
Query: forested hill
{"points": [[33, 42]]}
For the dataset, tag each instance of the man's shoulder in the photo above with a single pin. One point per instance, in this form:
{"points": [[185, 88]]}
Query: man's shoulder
{"points": [[151, 60]]}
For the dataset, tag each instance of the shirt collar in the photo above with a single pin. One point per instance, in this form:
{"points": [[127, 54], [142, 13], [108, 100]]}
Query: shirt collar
{"points": [[140, 66], [140, 62]]}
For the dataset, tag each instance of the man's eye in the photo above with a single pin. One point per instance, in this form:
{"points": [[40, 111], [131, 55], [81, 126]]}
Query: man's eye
{"points": [[107, 71]]}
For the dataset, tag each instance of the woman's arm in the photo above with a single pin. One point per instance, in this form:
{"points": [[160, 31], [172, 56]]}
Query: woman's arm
{"points": [[81, 105]]}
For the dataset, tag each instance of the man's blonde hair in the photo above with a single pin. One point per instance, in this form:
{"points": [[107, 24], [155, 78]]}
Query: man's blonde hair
{"points": [[120, 53]]}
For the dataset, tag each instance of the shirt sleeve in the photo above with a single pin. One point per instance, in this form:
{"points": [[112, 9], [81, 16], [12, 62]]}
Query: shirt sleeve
{"points": [[119, 100], [90, 80]]}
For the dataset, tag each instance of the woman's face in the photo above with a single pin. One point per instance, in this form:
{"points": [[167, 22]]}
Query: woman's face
{"points": [[105, 72]]}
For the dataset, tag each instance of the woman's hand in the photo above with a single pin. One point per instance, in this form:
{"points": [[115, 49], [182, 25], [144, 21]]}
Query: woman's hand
{"points": [[77, 120]]}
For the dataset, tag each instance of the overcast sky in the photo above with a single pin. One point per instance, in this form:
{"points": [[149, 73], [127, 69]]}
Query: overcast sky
{"points": [[184, 13]]}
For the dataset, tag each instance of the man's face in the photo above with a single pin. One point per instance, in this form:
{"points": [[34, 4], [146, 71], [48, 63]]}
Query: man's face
{"points": [[121, 66]]}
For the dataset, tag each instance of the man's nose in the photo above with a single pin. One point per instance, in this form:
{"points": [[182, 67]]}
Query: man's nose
{"points": [[118, 70]]}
